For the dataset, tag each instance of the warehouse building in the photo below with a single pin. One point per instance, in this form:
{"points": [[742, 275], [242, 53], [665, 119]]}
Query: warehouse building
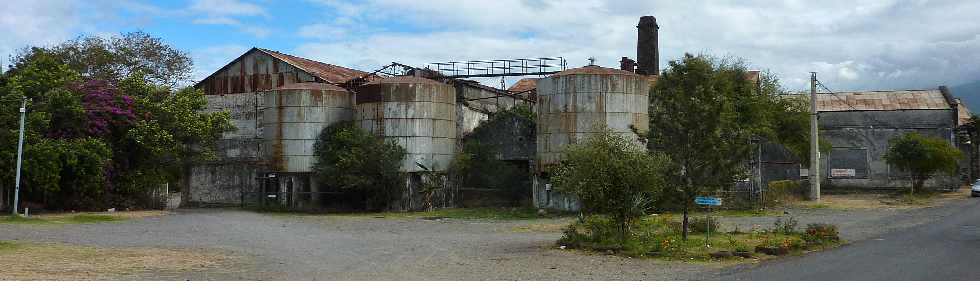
{"points": [[280, 103]]}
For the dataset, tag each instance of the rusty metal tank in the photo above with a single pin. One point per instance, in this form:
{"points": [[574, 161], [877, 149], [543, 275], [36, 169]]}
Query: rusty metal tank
{"points": [[575, 103], [417, 113], [293, 117]]}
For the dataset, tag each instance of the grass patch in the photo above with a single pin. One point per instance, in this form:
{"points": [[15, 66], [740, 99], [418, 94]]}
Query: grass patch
{"points": [[91, 218], [66, 218], [46, 261], [660, 237], [8, 246]]}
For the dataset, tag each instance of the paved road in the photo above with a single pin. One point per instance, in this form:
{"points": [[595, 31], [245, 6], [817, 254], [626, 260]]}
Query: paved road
{"points": [[946, 249]]}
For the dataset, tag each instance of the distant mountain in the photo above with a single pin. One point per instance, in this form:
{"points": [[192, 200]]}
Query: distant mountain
{"points": [[969, 93]]}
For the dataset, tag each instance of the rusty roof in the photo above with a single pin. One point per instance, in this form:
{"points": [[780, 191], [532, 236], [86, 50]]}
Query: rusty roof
{"points": [[595, 69], [328, 72], [963, 112], [883, 100], [312, 86], [523, 85]]}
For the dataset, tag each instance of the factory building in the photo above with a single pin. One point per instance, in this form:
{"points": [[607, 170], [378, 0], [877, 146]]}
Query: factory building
{"points": [[859, 126], [280, 103]]}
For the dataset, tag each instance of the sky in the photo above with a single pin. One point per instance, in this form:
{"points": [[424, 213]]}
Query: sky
{"points": [[853, 45]]}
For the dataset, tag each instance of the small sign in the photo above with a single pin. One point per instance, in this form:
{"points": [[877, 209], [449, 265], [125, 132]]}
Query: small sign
{"points": [[841, 173], [708, 201], [804, 173], [271, 196]]}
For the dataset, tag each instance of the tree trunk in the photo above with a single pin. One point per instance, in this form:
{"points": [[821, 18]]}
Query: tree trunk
{"points": [[684, 223]]}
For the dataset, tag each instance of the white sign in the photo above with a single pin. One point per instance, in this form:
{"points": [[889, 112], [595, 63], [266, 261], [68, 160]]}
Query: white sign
{"points": [[804, 172], [842, 173]]}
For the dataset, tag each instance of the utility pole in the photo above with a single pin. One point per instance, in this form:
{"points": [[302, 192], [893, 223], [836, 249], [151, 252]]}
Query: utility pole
{"points": [[20, 153], [814, 142]]}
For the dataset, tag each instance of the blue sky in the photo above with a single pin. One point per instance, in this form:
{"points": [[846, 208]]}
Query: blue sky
{"points": [[874, 44]]}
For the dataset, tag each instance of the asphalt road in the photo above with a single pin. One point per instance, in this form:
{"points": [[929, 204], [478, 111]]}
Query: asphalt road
{"points": [[946, 249]]}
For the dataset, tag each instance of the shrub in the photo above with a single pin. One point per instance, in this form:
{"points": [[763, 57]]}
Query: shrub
{"points": [[821, 234], [611, 176], [700, 224], [787, 226], [348, 157]]}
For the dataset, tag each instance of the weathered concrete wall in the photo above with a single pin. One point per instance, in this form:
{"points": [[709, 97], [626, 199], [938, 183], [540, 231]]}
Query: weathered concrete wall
{"points": [[238, 153], [221, 183], [861, 139]]}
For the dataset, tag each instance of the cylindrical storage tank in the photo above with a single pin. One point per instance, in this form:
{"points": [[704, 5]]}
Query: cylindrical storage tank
{"points": [[417, 113], [574, 103], [292, 119]]}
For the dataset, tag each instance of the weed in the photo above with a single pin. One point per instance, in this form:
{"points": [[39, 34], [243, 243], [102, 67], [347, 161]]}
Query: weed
{"points": [[818, 234], [787, 226]]}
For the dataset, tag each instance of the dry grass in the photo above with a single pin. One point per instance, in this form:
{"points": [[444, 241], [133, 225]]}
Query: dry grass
{"points": [[67, 262], [883, 200], [122, 215]]}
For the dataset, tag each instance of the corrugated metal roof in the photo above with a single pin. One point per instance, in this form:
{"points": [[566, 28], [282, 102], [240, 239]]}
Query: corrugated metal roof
{"points": [[327, 72], [882, 100], [524, 85], [312, 86], [963, 112]]}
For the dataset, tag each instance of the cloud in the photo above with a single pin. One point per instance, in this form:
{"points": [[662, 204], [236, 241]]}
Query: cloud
{"points": [[227, 12], [879, 44], [227, 8], [25, 23]]}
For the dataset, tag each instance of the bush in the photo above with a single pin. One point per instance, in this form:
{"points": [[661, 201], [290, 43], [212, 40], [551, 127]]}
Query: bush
{"points": [[350, 158], [700, 224], [821, 234], [611, 176], [787, 226]]}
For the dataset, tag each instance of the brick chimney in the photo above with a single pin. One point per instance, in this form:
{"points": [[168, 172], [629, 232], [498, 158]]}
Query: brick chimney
{"points": [[627, 64], [647, 49]]}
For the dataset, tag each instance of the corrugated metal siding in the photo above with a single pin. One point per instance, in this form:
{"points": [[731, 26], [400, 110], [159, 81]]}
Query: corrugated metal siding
{"points": [[573, 105], [294, 119], [419, 114], [254, 72]]}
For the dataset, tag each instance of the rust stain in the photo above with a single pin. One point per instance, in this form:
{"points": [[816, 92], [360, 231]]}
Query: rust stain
{"points": [[277, 147]]}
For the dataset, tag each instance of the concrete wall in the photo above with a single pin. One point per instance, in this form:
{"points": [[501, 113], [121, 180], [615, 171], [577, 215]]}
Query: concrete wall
{"points": [[238, 154]]}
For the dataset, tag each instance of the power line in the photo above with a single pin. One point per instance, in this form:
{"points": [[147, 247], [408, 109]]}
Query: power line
{"points": [[843, 100]]}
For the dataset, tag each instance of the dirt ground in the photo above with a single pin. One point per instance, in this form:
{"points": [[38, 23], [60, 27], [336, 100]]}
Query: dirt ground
{"points": [[219, 244]]}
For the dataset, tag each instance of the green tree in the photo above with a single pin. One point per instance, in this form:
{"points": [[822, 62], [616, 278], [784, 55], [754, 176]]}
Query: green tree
{"points": [[118, 57], [351, 158], [922, 157], [706, 114], [611, 176]]}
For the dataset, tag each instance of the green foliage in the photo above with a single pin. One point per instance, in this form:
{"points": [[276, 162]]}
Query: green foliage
{"points": [[144, 135], [707, 114], [351, 158], [787, 226], [701, 224], [922, 157], [611, 176], [117, 57], [821, 234]]}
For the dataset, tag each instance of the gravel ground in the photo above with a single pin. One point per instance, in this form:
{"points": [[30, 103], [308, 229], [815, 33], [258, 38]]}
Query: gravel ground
{"points": [[298, 247]]}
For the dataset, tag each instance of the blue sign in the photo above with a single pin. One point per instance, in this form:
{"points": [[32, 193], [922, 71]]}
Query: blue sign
{"points": [[709, 201]]}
